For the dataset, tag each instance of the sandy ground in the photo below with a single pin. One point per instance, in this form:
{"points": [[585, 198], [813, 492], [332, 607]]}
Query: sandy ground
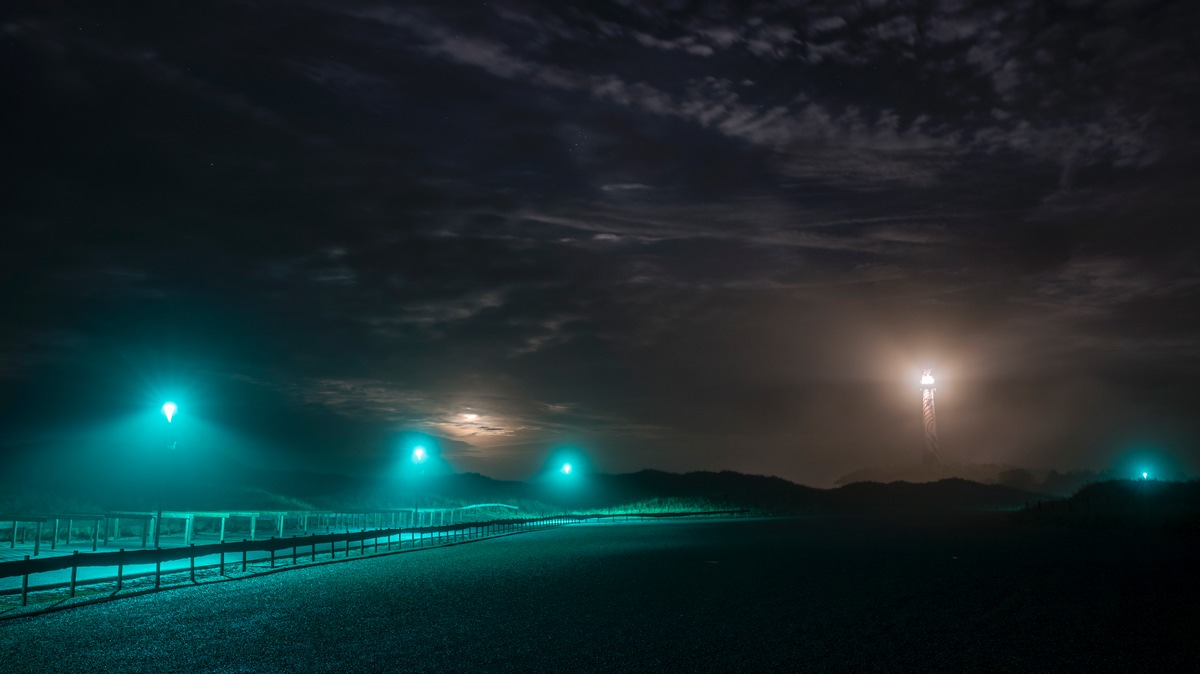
{"points": [[967, 593]]}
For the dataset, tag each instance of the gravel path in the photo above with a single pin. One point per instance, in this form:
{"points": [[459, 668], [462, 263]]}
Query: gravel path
{"points": [[823, 594]]}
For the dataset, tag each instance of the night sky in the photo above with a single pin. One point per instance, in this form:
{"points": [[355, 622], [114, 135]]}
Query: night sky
{"points": [[674, 235]]}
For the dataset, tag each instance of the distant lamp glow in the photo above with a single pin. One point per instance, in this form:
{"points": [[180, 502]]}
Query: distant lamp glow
{"points": [[566, 469], [470, 417], [927, 378], [419, 455], [1145, 476], [168, 410]]}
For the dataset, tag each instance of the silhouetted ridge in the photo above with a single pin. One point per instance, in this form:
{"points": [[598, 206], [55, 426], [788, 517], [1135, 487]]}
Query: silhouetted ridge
{"points": [[951, 494], [648, 489], [725, 488], [1126, 503]]}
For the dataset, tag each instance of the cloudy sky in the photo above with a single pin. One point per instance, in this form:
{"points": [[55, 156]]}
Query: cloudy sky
{"points": [[676, 235]]}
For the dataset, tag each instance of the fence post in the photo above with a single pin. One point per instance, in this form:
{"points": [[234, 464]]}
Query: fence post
{"points": [[221, 570], [120, 568], [74, 569], [24, 582], [192, 549], [293, 550], [272, 553], [243, 555], [157, 572]]}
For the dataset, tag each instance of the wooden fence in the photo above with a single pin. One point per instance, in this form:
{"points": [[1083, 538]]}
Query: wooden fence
{"points": [[332, 544]]}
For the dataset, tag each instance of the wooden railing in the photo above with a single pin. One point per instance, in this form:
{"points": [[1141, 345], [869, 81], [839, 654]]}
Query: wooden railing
{"points": [[238, 552], [331, 544]]}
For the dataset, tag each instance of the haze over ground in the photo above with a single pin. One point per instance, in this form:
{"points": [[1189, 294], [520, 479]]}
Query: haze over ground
{"points": [[712, 236]]}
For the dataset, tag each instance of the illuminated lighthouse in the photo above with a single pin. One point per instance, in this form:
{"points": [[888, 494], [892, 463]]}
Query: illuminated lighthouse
{"points": [[927, 389]]}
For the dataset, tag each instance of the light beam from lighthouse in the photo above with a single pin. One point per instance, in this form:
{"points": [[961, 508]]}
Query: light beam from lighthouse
{"points": [[927, 413]]}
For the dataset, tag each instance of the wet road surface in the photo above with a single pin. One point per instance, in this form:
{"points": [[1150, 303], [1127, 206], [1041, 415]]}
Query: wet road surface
{"points": [[964, 593]]}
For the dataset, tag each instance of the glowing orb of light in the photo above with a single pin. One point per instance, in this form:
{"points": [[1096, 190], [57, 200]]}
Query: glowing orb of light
{"points": [[927, 378], [1145, 476], [419, 455], [168, 410], [566, 469], [470, 417]]}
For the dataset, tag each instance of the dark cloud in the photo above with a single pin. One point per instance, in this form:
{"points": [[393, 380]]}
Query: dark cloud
{"points": [[689, 235]]}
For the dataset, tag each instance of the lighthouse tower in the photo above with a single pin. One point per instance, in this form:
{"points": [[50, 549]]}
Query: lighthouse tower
{"points": [[927, 413]]}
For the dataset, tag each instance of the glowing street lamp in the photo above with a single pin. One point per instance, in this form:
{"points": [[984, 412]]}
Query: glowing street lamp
{"points": [[566, 469], [419, 455], [1145, 476], [168, 410]]}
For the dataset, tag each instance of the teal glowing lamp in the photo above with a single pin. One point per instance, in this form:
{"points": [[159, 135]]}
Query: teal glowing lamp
{"points": [[168, 410], [566, 469], [419, 455]]}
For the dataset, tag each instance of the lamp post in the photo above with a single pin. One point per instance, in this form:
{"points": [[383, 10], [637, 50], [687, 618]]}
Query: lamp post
{"points": [[418, 458], [168, 410]]}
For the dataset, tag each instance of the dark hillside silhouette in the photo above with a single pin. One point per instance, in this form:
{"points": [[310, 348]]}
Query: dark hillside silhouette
{"points": [[1126, 503]]}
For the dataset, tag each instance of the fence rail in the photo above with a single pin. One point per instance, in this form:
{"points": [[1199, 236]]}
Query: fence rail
{"points": [[100, 528], [419, 536]]}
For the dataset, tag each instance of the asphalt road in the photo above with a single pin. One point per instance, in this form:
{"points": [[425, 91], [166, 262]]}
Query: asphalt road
{"points": [[824, 594]]}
